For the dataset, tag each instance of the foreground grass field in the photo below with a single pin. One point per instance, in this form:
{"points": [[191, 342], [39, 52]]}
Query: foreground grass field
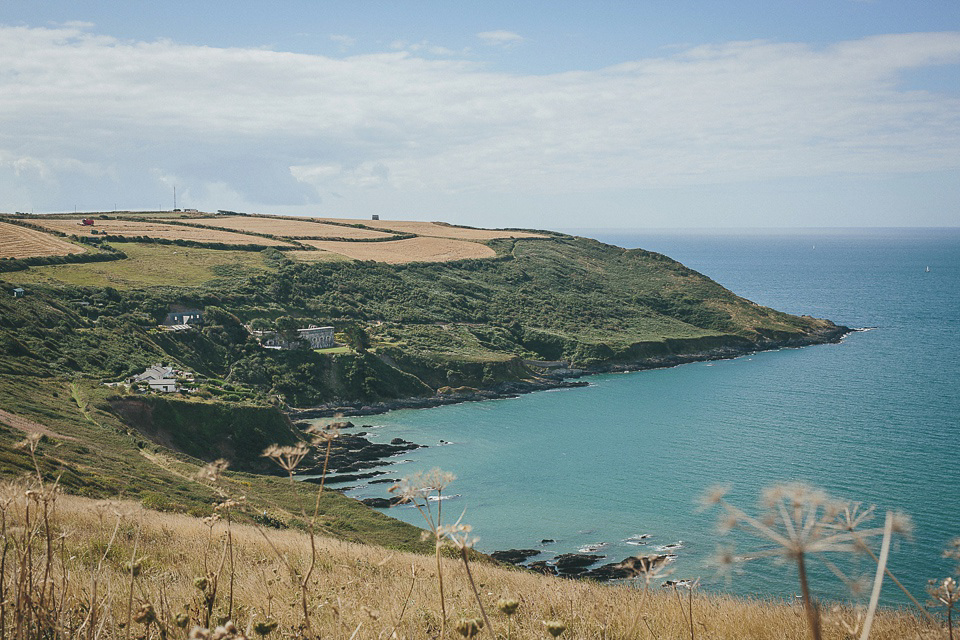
{"points": [[116, 570]]}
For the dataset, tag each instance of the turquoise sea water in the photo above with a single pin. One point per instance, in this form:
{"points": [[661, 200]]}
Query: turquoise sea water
{"points": [[875, 418]]}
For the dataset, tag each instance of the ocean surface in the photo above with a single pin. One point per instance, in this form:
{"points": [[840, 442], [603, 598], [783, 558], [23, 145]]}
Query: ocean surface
{"points": [[875, 418]]}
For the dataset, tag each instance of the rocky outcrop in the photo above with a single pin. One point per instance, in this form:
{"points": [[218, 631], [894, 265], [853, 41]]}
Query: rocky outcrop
{"points": [[633, 567], [574, 564], [514, 556]]}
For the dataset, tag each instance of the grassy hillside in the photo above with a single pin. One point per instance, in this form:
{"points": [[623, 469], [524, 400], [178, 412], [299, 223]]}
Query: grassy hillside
{"points": [[94, 453], [160, 575], [430, 324]]}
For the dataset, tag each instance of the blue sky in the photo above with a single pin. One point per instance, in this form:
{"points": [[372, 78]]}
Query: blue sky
{"points": [[535, 114]]}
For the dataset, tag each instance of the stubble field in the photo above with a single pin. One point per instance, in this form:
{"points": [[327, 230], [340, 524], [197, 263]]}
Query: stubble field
{"points": [[20, 242]]}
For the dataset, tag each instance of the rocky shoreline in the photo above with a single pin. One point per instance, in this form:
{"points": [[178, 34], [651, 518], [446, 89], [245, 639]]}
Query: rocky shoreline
{"points": [[578, 565], [560, 377], [353, 457]]}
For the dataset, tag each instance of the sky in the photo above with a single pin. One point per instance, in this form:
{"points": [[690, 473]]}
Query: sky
{"points": [[543, 114]]}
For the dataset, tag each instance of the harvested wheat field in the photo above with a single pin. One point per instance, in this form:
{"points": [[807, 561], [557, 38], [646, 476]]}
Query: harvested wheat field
{"points": [[410, 250], [132, 228], [438, 229], [303, 228], [159, 575], [21, 242]]}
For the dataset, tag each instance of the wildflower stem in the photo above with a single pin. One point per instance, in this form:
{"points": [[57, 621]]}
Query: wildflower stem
{"points": [[466, 565], [813, 616], [232, 572], [878, 580], [133, 577], [902, 588], [406, 601], [443, 606]]}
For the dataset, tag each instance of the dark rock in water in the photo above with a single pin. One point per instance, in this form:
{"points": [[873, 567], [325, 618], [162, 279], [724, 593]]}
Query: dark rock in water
{"points": [[572, 564], [345, 477], [547, 541], [669, 584], [514, 556], [384, 481], [542, 567], [353, 452], [631, 567], [380, 503]]}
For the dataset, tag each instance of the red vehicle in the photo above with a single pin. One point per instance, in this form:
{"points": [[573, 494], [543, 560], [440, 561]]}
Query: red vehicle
{"points": [[87, 222]]}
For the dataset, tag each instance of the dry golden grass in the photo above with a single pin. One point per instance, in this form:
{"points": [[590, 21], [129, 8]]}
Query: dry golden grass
{"points": [[134, 228], [410, 250], [437, 229], [302, 228], [21, 242], [358, 592]]}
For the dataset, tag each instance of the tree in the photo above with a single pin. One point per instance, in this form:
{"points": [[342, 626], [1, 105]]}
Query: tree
{"points": [[357, 337]]}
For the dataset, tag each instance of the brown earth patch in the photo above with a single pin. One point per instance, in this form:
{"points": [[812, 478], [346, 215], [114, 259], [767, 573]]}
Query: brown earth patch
{"points": [[303, 228], [21, 242], [132, 228], [410, 250], [438, 229], [29, 426]]}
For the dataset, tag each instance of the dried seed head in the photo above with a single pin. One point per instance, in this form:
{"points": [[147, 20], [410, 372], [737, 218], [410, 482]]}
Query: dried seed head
{"points": [[715, 494], [136, 566], [902, 524], [227, 504], [323, 434], [469, 627], [212, 472], [418, 486], [458, 535], [508, 606], [145, 614], [265, 627], [799, 520], [289, 457], [554, 627]]}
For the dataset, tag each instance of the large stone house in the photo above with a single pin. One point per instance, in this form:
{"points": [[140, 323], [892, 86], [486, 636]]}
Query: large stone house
{"points": [[313, 336], [318, 337]]}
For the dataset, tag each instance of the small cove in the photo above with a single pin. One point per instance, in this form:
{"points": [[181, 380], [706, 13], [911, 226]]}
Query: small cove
{"points": [[873, 418]]}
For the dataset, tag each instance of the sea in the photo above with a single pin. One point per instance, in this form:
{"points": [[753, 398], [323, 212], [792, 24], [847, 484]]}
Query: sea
{"points": [[618, 467]]}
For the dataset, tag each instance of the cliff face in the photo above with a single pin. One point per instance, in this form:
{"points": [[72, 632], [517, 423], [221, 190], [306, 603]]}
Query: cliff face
{"points": [[208, 430]]}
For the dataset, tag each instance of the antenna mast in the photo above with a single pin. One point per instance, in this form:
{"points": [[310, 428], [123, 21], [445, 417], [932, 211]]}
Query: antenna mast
{"points": [[174, 197]]}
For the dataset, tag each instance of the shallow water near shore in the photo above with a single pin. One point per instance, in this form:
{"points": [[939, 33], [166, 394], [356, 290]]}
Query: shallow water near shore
{"points": [[875, 418]]}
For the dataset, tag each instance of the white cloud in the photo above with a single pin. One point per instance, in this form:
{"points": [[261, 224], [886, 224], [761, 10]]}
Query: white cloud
{"points": [[344, 41], [283, 128], [424, 46], [500, 38], [75, 24]]}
